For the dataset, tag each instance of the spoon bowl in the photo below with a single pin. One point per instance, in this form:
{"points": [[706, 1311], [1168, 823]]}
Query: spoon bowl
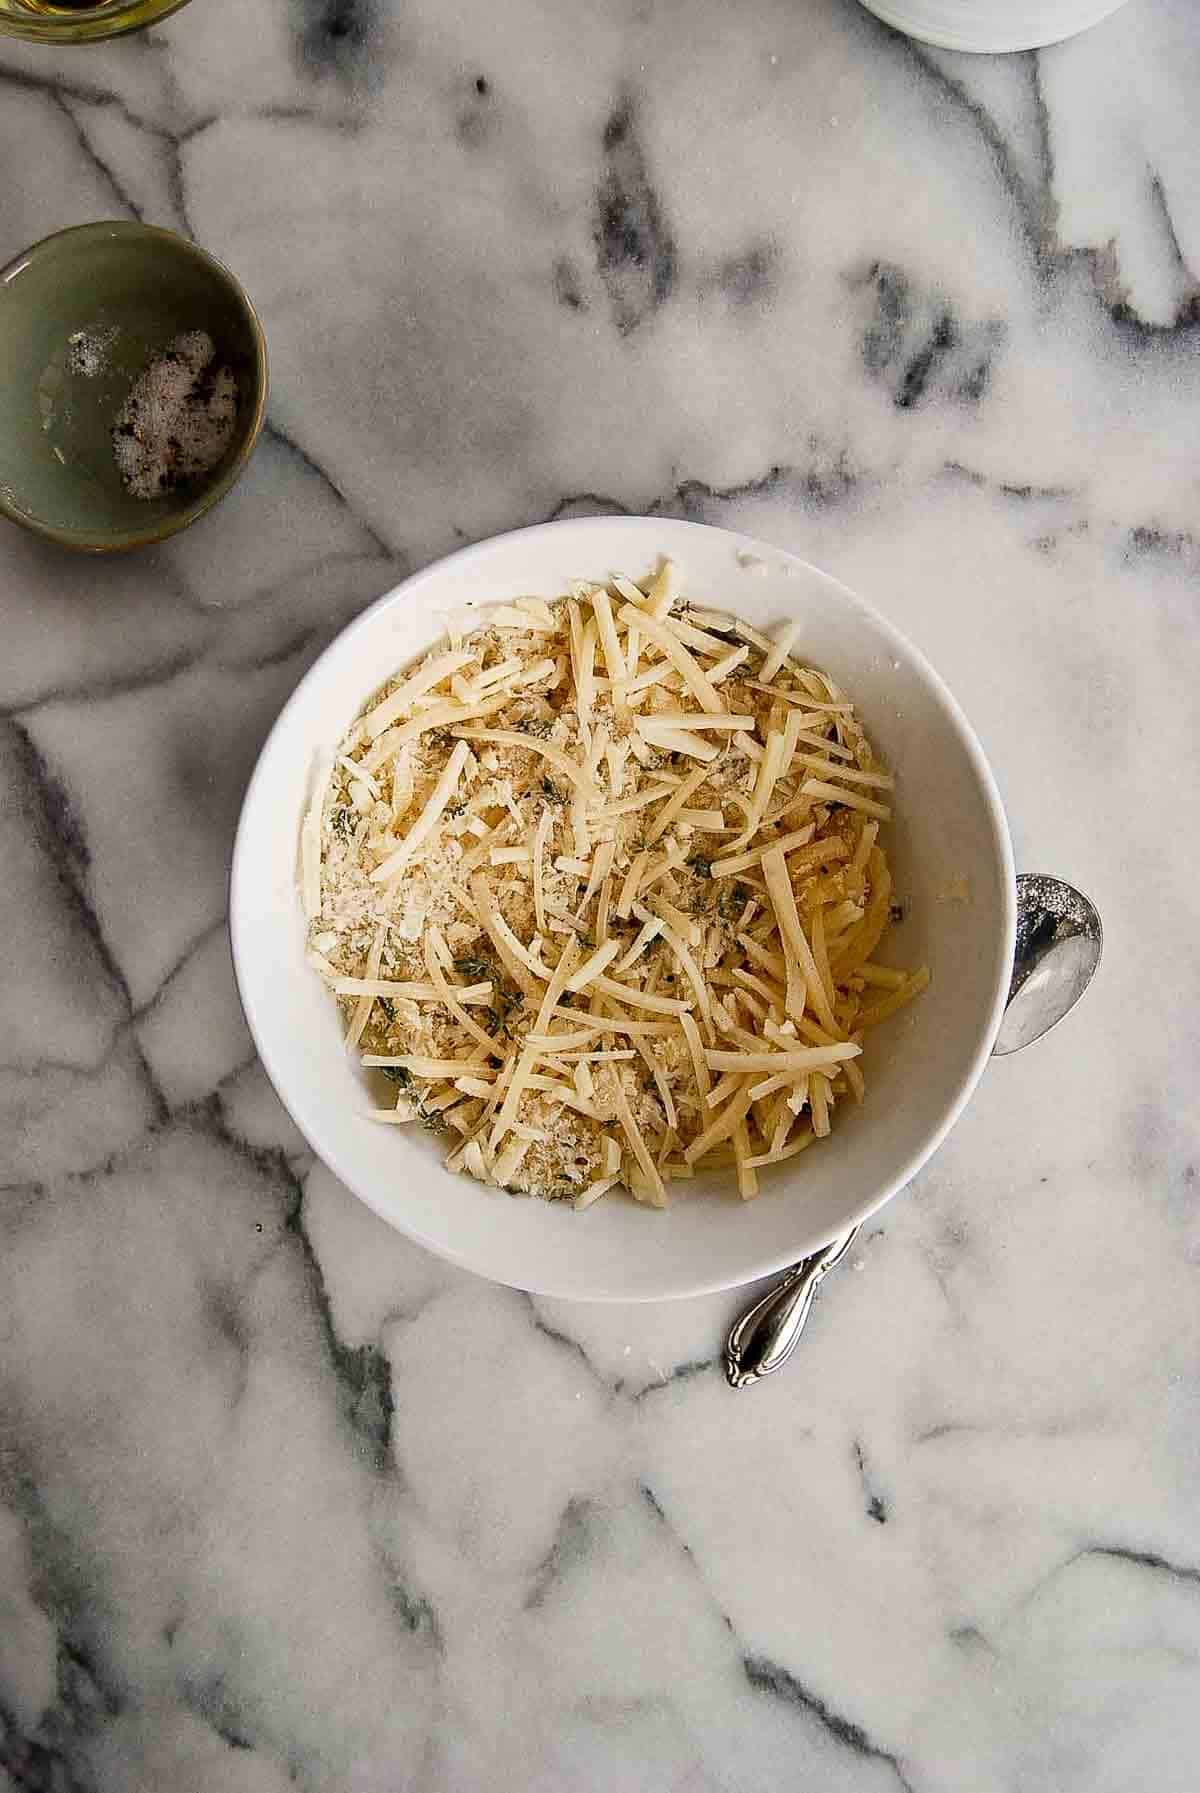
{"points": [[1059, 942]]}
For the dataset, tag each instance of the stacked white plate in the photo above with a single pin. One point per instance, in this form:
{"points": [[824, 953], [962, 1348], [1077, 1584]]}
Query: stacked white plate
{"points": [[991, 25]]}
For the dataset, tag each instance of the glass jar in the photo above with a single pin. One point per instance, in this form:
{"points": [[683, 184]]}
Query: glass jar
{"points": [[80, 21]]}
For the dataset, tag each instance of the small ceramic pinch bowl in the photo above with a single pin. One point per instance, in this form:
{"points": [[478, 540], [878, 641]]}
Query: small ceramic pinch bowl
{"points": [[82, 314]]}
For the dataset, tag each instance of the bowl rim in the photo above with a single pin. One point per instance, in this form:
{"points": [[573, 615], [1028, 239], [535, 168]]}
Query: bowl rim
{"points": [[1004, 946], [121, 542], [81, 29]]}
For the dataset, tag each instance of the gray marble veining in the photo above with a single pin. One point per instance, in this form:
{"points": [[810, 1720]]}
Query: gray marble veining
{"points": [[932, 321]]}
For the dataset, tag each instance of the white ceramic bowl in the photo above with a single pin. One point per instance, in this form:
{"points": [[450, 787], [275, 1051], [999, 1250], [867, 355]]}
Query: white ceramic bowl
{"points": [[921, 1067], [988, 26]]}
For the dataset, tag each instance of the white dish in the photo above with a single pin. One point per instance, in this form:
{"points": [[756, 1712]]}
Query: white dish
{"points": [[991, 26], [921, 1066]]}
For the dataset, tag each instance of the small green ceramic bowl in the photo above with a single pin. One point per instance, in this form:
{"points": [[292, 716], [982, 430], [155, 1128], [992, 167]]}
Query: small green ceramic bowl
{"points": [[82, 314], [80, 21]]}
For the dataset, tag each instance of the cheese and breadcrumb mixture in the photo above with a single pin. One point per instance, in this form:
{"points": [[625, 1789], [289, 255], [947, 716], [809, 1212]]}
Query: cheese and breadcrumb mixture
{"points": [[599, 889]]}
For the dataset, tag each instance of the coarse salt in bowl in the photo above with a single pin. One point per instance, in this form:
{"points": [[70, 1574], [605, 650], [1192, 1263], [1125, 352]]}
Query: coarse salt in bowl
{"points": [[948, 839]]}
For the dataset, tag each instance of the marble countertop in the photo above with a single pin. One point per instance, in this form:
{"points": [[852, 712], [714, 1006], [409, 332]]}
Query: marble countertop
{"points": [[284, 1501]]}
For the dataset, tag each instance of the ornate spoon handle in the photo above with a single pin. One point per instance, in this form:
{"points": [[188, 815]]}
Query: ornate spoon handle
{"points": [[766, 1335]]}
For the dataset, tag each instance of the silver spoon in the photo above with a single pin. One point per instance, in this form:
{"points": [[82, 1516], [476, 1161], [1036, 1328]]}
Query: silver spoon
{"points": [[1058, 946]]}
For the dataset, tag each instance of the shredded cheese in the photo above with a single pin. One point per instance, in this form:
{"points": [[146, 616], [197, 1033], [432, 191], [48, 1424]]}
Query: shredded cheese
{"points": [[562, 762], [670, 810], [803, 1139], [662, 635], [674, 740], [802, 966], [614, 659], [663, 590], [728, 663], [741, 862], [734, 1111], [651, 928], [640, 800], [591, 968], [589, 964], [779, 651], [804, 1058], [691, 1034], [432, 673], [853, 774], [832, 793], [366, 1001], [428, 820], [379, 986], [637, 1146], [310, 839], [507, 616]]}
